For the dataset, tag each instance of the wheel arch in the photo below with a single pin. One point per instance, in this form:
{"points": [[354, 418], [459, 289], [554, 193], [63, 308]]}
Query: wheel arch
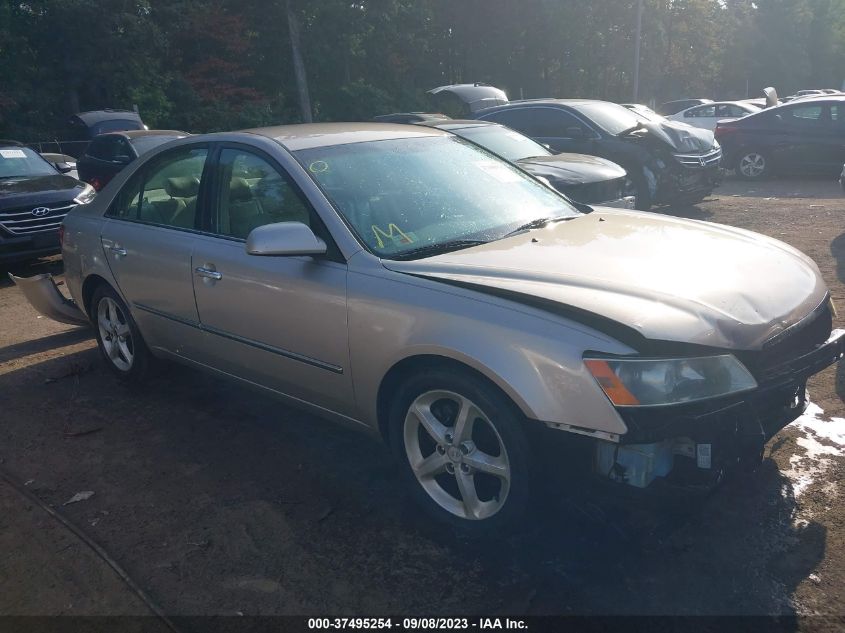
{"points": [[89, 287], [420, 362]]}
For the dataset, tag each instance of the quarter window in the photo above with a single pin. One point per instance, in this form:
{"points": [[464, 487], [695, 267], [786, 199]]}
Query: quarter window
{"points": [[254, 193]]}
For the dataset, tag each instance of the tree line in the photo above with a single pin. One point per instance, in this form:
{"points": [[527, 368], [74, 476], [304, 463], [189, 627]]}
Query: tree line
{"points": [[204, 65]]}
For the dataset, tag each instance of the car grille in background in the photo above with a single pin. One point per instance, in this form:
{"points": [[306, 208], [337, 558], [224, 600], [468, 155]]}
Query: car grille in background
{"points": [[21, 221], [596, 192], [700, 161]]}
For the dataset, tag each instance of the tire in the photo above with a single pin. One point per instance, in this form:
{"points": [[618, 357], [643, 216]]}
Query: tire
{"points": [[118, 337], [642, 195], [752, 165], [451, 479]]}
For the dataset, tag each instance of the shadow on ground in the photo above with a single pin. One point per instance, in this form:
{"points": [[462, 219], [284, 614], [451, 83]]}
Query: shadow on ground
{"points": [[220, 500]]}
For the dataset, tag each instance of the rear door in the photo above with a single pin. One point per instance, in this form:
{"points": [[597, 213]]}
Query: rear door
{"points": [[279, 322], [703, 116], [809, 130], [148, 240]]}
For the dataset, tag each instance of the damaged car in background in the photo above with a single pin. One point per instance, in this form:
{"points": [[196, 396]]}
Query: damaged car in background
{"points": [[667, 162], [584, 179], [404, 281]]}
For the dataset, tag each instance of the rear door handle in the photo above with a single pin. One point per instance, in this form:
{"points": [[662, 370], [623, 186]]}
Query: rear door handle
{"points": [[117, 250], [208, 273]]}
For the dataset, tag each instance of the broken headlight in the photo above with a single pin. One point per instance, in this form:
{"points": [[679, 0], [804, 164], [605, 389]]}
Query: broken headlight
{"points": [[631, 382]]}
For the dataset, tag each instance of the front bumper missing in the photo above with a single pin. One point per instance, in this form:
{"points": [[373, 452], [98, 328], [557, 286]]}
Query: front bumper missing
{"points": [[708, 440], [43, 294]]}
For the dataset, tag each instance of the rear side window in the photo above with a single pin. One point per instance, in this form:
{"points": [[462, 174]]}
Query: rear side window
{"points": [[104, 147], [703, 111], [518, 119], [550, 122], [165, 191], [806, 115]]}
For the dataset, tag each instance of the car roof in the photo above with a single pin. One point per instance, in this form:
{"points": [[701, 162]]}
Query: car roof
{"points": [[130, 134], [92, 117], [714, 103], [310, 135], [6, 142], [540, 102], [457, 124]]}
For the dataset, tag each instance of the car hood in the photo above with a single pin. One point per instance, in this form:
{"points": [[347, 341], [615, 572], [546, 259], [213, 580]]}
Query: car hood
{"points": [[666, 278], [572, 168], [39, 190], [682, 138]]}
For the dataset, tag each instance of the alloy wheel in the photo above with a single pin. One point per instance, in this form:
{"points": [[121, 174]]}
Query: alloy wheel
{"points": [[115, 334], [457, 455], [752, 165]]}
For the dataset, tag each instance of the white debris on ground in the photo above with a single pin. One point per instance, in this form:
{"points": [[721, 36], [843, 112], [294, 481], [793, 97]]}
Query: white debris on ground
{"points": [[822, 440]]}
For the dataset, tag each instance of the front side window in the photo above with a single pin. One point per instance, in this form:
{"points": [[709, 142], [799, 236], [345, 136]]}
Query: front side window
{"points": [[165, 191], [611, 117], [253, 193], [402, 195]]}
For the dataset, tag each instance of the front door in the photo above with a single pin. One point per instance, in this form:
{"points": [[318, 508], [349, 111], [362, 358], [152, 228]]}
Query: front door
{"points": [[148, 240], [279, 322]]}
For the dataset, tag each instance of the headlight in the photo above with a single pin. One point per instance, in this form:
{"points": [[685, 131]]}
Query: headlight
{"points": [[631, 382], [716, 145], [87, 195]]}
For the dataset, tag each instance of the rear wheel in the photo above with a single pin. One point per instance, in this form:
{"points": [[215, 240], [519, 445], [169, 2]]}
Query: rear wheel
{"points": [[463, 449], [118, 337], [752, 165]]}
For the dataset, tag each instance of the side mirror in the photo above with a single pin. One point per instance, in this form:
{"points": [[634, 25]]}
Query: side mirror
{"points": [[547, 146], [63, 167], [284, 239], [575, 132]]}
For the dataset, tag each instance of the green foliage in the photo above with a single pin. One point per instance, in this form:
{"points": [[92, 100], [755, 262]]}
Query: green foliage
{"points": [[205, 65]]}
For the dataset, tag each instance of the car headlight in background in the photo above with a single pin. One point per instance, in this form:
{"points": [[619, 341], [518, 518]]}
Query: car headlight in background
{"points": [[631, 382], [87, 195]]}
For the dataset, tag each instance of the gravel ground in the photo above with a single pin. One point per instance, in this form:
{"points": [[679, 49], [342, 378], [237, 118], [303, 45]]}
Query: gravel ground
{"points": [[220, 501]]}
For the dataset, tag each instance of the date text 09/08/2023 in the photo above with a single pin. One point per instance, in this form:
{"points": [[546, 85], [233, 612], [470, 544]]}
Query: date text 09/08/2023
{"points": [[417, 624]]}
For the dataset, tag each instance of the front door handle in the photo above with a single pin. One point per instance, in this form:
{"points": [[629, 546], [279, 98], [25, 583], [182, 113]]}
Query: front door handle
{"points": [[118, 251], [208, 273]]}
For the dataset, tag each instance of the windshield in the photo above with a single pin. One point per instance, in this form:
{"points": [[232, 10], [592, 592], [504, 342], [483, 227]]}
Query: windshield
{"points": [[22, 162], [144, 144], [502, 141], [611, 116], [401, 195]]}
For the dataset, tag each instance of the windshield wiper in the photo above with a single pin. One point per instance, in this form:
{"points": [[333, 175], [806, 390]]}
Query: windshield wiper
{"points": [[631, 130], [437, 249], [539, 223]]}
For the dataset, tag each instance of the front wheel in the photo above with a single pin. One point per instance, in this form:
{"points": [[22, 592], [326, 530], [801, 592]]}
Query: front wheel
{"points": [[118, 337], [752, 165], [463, 449]]}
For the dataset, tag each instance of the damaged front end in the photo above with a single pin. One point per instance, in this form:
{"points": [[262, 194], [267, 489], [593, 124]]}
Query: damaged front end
{"points": [[686, 163], [697, 444], [43, 294]]}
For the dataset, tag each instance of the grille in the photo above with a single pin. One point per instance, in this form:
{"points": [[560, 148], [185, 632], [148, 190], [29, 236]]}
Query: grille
{"points": [[20, 221], [700, 161], [791, 344]]}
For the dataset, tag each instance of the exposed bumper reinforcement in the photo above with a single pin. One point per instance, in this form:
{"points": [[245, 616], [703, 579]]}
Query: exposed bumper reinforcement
{"points": [[41, 291]]}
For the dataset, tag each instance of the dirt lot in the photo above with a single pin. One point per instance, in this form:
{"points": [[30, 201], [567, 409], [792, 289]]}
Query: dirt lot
{"points": [[220, 501]]}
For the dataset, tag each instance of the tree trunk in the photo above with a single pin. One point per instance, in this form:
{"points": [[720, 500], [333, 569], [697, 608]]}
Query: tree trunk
{"points": [[299, 65]]}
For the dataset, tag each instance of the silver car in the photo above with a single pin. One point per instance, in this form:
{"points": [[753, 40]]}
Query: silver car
{"points": [[404, 281]]}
